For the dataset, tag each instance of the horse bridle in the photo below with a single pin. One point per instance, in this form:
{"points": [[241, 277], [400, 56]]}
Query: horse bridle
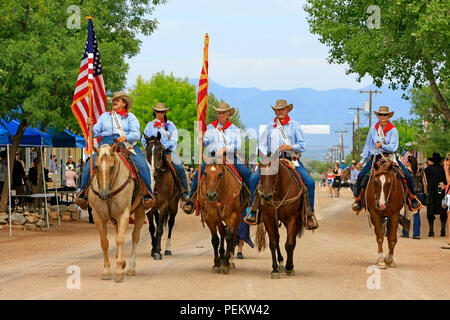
{"points": [[157, 170], [392, 176]]}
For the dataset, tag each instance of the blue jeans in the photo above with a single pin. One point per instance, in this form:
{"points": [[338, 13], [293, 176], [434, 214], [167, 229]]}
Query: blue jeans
{"points": [[139, 161], [416, 217], [179, 168], [368, 166], [243, 171], [304, 174]]}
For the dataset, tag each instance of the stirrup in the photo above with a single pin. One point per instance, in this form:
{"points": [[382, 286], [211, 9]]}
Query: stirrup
{"points": [[81, 199], [188, 207], [252, 217], [357, 206], [311, 222]]}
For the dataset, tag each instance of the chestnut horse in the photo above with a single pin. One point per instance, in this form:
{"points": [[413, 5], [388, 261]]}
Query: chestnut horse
{"points": [[168, 196], [384, 197], [282, 199], [110, 197], [222, 199]]}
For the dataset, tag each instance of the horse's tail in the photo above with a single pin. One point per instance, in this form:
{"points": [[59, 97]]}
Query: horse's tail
{"points": [[304, 207], [261, 237]]}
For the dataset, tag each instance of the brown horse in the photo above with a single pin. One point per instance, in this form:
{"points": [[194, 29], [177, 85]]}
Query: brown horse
{"points": [[282, 199], [111, 198], [222, 199], [168, 196], [384, 197]]}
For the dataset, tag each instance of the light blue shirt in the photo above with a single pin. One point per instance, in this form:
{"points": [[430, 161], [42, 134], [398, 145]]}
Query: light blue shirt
{"points": [[391, 145], [353, 176], [271, 139], [170, 143], [213, 142], [105, 127]]}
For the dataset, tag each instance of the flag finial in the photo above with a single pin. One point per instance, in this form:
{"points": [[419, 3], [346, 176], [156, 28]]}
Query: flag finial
{"points": [[89, 18]]}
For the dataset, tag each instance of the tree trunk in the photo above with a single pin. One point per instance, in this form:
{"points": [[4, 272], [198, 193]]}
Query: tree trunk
{"points": [[437, 93], [12, 157]]}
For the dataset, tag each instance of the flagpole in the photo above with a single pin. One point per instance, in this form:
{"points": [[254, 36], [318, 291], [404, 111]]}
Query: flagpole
{"points": [[197, 203], [91, 143]]}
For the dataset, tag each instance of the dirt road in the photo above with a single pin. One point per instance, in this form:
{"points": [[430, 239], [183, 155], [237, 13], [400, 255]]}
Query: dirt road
{"points": [[331, 263]]}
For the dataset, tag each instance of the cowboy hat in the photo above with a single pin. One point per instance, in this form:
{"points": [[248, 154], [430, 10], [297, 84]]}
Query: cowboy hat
{"points": [[280, 104], [383, 110], [223, 106], [124, 97], [160, 107], [436, 158]]}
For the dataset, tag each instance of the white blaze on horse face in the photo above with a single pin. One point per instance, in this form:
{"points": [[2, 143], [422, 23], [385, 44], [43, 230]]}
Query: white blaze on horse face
{"points": [[213, 168], [382, 196], [104, 173]]}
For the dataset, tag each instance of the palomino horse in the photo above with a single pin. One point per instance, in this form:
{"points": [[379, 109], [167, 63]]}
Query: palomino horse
{"points": [[111, 198], [222, 199], [282, 199], [384, 197], [168, 196]]}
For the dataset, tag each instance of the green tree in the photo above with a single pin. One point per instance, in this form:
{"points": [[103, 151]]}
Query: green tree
{"points": [[40, 56], [407, 131], [410, 44]]}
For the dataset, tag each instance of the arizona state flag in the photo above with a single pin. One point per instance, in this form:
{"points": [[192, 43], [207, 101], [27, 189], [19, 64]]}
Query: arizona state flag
{"points": [[202, 99]]}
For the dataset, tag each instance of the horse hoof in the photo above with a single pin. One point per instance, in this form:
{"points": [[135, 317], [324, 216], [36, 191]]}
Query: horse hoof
{"points": [[216, 269], [232, 265], [157, 256], [225, 269], [167, 253], [106, 276], [381, 265], [118, 277], [281, 268], [275, 275], [152, 254], [390, 263], [290, 273], [131, 273]]}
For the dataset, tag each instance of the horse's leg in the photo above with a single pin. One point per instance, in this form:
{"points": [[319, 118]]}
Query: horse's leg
{"points": [[232, 225], [293, 227], [151, 227], [168, 252], [215, 243], [159, 231], [121, 226], [222, 233], [139, 218], [280, 260], [101, 227], [376, 221], [392, 239], [274, 240]]}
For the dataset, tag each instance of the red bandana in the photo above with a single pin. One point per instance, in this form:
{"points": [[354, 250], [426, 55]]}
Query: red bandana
{"points": [[385, 130], [123, 113], [216, 123], [283, 122], [159, 124]]}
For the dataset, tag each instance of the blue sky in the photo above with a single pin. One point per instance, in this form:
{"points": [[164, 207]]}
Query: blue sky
{"points": [[264, 44]]}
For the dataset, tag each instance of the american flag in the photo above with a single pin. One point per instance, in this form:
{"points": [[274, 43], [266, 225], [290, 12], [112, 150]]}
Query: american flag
{"points": [[90, 76], [404, 159]]}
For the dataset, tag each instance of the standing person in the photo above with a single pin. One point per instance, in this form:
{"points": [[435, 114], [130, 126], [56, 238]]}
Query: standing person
{"points": [[435, 179], [107, 129], [420, 186], [70, 162], [71, 177], [330, 180], [324, 179], [3, 168], [353, 176], [52, 164], [169, 139], [221, 137], [447, 196], [18, 174], [337, 171], [272, 142], [383, 136]]}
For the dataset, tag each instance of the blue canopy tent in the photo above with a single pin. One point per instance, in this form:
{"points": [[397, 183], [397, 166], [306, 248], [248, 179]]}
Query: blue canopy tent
{"points": [[31, 138], [66, 139]]}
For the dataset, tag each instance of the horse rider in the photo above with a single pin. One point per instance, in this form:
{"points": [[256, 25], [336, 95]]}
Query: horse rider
{"points": [[169, 139], [291, 146], [221, 137], [122, 125], [383, 136]]}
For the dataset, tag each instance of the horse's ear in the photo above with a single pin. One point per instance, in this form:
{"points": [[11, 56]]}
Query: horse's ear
{"points": [[114, 147], [158, 136], [146, 137], [95, 149]]}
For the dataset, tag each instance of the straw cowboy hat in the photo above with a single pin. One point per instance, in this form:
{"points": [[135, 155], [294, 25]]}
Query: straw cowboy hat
{"points": [[280, 104], [160, 107], [223, 106], [383, 110], [124, 97]]}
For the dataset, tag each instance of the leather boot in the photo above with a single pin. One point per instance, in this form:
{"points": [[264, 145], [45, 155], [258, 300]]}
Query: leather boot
{"points": [[357, 207]]}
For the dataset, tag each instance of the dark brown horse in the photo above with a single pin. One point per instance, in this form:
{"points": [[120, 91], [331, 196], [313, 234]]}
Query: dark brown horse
{"points": [[168, 196], [221, 201], [282, 199], [384, 197]]}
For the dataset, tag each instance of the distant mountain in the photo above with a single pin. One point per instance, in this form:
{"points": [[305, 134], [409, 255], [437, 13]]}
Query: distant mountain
{"points": [[311, 107]]}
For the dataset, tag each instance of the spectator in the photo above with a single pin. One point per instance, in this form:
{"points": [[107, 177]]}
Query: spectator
{"points": [[3, 169], [18, 175], [324, 179], [330, 180], [70, 162], [447, 196], [353, 176], [420, 185], [337, 179], [71, 177], [435, 180], [343, 164], [52, 164]]}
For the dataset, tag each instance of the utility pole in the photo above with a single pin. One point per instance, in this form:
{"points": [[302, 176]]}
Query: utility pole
{"points": [[359, 132], [342, 144], [353, 138], [370, 104]]}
